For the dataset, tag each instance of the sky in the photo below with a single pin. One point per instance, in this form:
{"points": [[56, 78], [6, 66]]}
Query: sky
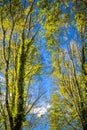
{"points": [[1, 78]]}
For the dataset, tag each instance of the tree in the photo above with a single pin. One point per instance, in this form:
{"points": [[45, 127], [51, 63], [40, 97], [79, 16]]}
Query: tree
{"points": [[69, 63], [72, 88], [19, 59]]}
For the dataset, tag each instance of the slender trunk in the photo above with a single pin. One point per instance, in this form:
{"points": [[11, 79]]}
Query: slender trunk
{"points": [[19, 99], [6, 98], [84, 126]]}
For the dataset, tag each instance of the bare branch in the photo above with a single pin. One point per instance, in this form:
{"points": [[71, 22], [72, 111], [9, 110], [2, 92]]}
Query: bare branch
{"points": [[34, 103]]}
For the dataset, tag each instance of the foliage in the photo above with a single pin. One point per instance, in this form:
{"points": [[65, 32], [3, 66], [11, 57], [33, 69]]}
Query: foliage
{"points": [[62, 116]]}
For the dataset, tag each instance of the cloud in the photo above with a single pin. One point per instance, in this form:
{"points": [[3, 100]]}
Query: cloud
{"points": [[39, 111]]}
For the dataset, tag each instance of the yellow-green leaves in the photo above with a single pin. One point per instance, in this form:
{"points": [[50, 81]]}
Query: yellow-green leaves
{"points": [[81, 21], [7, 23], [51, 27]]}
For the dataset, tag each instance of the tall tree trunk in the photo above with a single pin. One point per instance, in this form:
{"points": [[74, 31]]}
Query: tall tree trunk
{"points": [[7, 94], [19, 100], [84, 126]]}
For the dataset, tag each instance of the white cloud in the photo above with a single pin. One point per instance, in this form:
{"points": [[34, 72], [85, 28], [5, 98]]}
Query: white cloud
{"points": [[1, 79], [39, 111]]}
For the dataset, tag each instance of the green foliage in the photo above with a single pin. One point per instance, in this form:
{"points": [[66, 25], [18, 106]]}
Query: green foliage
{"points": [[62, 114]]}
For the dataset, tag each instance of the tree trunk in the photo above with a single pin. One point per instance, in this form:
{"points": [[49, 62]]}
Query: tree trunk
{"points": [[84, 126], [19, 100]]}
